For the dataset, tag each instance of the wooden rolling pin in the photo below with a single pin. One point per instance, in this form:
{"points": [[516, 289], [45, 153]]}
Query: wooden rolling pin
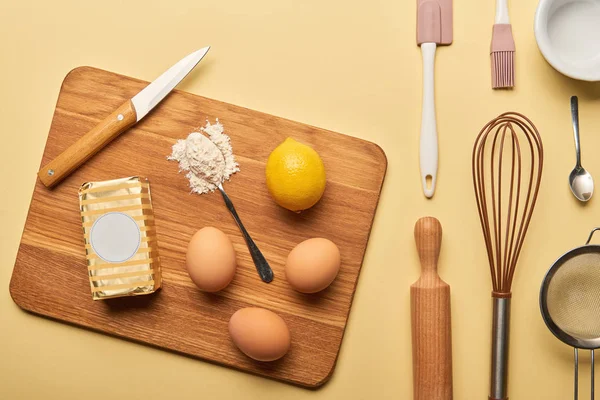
{"points": [[430, 313]]}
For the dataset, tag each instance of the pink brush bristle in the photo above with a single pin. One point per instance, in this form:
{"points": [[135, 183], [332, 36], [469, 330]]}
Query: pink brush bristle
{"points": [[502, 56]]}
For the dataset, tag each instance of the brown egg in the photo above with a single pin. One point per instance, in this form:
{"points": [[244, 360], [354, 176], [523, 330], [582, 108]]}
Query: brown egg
{"points": [[312, 265], [260, 334], [210, 259]]}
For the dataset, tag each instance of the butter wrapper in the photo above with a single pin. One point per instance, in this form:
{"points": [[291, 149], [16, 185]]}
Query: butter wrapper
{"points": [[120, 237]]}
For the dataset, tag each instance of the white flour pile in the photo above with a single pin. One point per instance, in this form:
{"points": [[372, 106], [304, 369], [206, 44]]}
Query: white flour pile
{"points": [[208, 161]]}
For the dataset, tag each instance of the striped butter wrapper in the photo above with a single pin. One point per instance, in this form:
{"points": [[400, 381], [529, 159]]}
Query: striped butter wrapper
{"points": [[120, 237]]}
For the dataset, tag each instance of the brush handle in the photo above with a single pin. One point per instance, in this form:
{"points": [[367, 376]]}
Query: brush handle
{"points": [[500, 336], [429, 140], [502, 12], [430, 317]]}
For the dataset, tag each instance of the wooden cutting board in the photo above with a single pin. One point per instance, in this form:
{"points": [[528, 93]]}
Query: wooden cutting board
{"points": [[50, 275]]}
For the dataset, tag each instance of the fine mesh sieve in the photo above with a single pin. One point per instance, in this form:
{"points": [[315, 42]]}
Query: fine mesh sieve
{"points": [[570, 301]]}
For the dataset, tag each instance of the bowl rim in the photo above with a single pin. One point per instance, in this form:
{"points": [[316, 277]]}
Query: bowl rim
{"points": [[543, 42]]}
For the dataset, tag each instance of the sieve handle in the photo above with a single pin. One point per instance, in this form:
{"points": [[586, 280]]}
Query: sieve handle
{"points": [[591, 234], [576, 379], [500, 334], [593, 375]]}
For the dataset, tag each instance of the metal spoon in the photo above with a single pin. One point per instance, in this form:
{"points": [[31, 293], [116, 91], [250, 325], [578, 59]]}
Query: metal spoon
{"points": [[262, 266], [198, 162], [581, 182]]}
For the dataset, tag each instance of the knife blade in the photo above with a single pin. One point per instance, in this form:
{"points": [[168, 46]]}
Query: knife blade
{"points": [[124, 117]]}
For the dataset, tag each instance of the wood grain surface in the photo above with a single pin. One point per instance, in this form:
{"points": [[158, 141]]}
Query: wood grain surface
{"points": [[50, 277], [430, 312]]}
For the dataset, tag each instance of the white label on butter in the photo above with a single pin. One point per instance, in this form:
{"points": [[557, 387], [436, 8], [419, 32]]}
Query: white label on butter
{"points": [[115, 237]]}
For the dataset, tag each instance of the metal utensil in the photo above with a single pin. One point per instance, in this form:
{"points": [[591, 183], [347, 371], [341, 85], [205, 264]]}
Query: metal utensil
{"points": [[569, 302], [580, 181], [128, 114], [507, 163], [206, 162], [262, 266]]}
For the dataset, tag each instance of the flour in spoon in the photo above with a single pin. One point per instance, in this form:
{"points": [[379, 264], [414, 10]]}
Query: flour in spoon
{"points": [[206, 156]]}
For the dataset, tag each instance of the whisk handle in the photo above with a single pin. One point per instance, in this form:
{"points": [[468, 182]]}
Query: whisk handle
{"points": [[500, 336]]}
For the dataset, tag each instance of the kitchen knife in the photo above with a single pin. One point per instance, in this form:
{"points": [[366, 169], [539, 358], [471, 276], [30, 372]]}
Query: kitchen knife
{"points": [[127, 115]]}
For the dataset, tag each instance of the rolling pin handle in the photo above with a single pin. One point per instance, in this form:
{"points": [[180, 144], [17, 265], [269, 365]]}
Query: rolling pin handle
{"points": [[428, 237]]}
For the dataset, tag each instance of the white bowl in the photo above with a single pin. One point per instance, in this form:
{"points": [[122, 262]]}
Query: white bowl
{"points": [[568, 35]]}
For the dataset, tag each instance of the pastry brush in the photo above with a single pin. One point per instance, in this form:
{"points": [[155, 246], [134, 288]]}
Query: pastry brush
{"points": [[502, 51]]}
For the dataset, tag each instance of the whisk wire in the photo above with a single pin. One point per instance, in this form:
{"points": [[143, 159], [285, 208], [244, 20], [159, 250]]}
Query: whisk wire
{"points": [[506, 260], [496, 209], [516, 163], [480, 196], [535, 175], [513, 209], [505, 225]]}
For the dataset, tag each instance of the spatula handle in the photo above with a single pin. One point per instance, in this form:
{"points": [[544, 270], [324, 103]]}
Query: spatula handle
{"points": [[429, 138], [88, 145]]}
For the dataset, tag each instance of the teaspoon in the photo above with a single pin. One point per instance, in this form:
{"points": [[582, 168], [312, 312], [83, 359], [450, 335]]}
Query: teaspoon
{"points": [[205, 161], [262, 266], [580, 181]]}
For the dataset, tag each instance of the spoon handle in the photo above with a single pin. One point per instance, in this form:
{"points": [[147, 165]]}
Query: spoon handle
{"points": [[262, 266], [575, 118]]}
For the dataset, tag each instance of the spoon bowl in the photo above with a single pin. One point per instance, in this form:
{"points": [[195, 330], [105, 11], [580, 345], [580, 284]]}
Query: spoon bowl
{"points": [[581, 183], [204, 158]]}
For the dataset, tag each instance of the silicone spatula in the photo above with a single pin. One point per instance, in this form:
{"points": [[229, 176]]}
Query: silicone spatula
{"points": [[434, 27]]}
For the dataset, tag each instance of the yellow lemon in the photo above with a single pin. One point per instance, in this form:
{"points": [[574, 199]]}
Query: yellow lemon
{"points": [[295, 175]]}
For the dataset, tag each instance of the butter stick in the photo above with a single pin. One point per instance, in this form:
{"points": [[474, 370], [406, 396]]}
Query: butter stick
{"points": [[120, 237]]}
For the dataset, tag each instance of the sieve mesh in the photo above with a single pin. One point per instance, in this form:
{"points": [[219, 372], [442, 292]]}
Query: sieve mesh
{"points": [[573, 298]]}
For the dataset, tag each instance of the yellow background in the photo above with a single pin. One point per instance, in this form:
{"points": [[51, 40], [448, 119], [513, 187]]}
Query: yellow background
{"points": [[348, 66]]}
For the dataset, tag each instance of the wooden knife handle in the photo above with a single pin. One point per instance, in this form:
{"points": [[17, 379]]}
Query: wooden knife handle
{"points": [[88, 145], [430, 314]]}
